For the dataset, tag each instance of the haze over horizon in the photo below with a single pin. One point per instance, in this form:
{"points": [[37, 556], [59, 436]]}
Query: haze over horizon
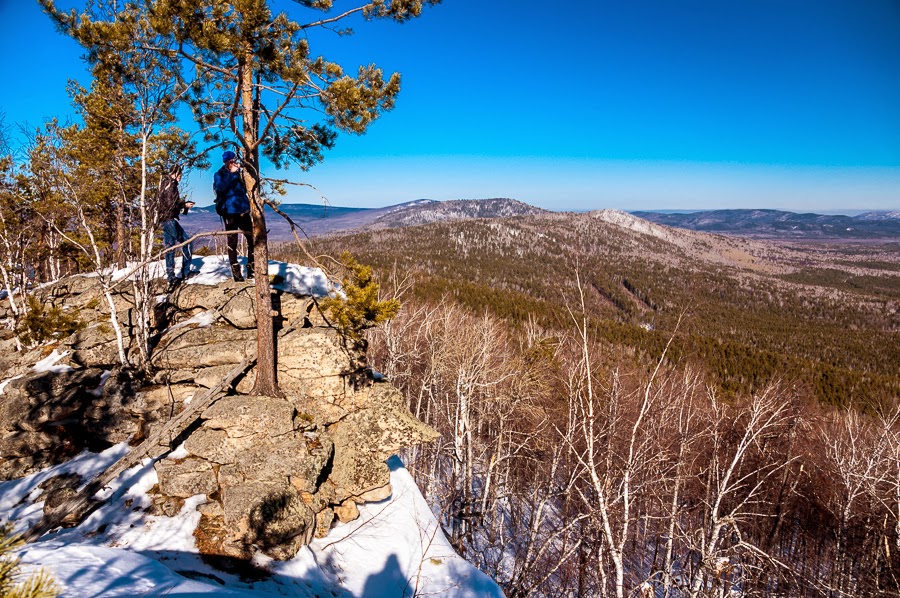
{"points": [[674, 210], [656, 106]]}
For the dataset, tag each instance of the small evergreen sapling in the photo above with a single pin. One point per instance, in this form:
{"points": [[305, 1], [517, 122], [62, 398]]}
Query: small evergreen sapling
{"points": [[13, 584], [360, 307], [46, 322]]}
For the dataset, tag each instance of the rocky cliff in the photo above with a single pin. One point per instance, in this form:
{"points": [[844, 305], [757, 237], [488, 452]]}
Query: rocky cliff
{"points": [[276, 471]]}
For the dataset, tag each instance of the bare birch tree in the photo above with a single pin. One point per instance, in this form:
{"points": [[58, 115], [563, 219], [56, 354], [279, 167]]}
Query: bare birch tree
{"points": [[734, 481]]}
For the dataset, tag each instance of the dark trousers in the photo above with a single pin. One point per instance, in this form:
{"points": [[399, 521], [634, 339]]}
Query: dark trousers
{"points": [[242, 223], [173, 234]]}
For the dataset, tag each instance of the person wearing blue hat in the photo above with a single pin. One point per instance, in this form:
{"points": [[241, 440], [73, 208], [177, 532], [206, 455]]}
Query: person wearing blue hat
{"points": [[233, 205]]}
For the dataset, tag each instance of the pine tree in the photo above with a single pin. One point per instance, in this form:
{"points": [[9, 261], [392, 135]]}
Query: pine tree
{"points": [[256, 84], [359, 308], [130, 111], [128, 140]]}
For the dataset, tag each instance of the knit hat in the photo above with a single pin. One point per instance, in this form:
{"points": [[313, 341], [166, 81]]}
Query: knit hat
{"points": [[228, 156]]}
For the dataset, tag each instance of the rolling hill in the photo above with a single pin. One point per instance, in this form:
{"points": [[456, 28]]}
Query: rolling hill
{"points": [[316, 220], [823, 316], [778, 224]]}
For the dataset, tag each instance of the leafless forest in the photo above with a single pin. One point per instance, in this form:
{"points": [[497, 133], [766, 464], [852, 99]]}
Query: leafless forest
{"points": [[573, 464], [561, 474]]}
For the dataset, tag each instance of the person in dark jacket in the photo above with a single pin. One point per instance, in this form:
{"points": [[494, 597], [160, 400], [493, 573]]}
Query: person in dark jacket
{"points": [[170, 205], [233, 205]]}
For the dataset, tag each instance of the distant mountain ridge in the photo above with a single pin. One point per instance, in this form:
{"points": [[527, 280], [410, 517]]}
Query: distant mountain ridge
{"points": [[318, 219], [442, 211], [782, 224], [879, 215], [312, 219]]}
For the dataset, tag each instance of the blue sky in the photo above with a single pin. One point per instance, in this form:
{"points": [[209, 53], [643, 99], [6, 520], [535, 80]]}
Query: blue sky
{"points": [[646, 104]]}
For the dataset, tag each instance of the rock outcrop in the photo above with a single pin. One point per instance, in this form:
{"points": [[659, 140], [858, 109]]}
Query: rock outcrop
{"points": [[276, 471]]}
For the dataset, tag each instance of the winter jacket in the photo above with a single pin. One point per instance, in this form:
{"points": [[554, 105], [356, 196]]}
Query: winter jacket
{"points": [[231, 194], [169, 203]]}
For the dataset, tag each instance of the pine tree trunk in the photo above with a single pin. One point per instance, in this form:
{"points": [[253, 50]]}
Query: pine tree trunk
{"points": [[266, 372], [266, 368]]}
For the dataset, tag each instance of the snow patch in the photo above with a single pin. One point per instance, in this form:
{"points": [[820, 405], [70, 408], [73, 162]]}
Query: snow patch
{"points": [[633, 223], [214, 269], [397, 549], [7, 381], [298, 280], [201, 320], [14, 494], [48, 364], [179, 453], [103, 378]]}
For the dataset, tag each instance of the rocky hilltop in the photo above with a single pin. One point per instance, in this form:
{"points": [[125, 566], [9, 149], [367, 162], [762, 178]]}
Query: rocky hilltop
{"points": [[276, 471], [442, 211]]}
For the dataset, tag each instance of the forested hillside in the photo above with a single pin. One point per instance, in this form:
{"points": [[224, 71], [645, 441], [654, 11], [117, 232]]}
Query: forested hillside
{"points": [[628, 409], [824, 317]]}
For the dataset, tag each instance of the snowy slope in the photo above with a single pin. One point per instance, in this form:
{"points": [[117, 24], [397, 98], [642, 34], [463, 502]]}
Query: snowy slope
{"points": [[395, 548], [638, 225]]}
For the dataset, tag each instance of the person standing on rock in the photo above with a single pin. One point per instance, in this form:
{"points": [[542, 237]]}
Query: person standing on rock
{"points": [[233, 205], [170, 205]]}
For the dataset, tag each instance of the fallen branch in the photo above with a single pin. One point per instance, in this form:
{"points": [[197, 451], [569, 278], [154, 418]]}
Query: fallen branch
{"points": [[135, 268], [76, 509]]}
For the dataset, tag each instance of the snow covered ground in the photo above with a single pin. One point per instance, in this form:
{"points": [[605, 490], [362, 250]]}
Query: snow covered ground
{"points": [[394, 550], [213, 269]]}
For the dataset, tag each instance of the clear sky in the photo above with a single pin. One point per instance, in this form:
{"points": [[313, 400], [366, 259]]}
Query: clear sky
{"points": [[588, 104]]}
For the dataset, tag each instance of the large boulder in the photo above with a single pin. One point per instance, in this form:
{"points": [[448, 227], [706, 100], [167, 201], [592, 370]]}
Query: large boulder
{"points": [[48, 417], [366, 437], [202, 345], [281, 477], [264, 458]]}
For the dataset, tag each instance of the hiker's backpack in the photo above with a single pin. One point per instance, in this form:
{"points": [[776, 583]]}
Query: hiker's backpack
{"points": [[220, 204]]}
